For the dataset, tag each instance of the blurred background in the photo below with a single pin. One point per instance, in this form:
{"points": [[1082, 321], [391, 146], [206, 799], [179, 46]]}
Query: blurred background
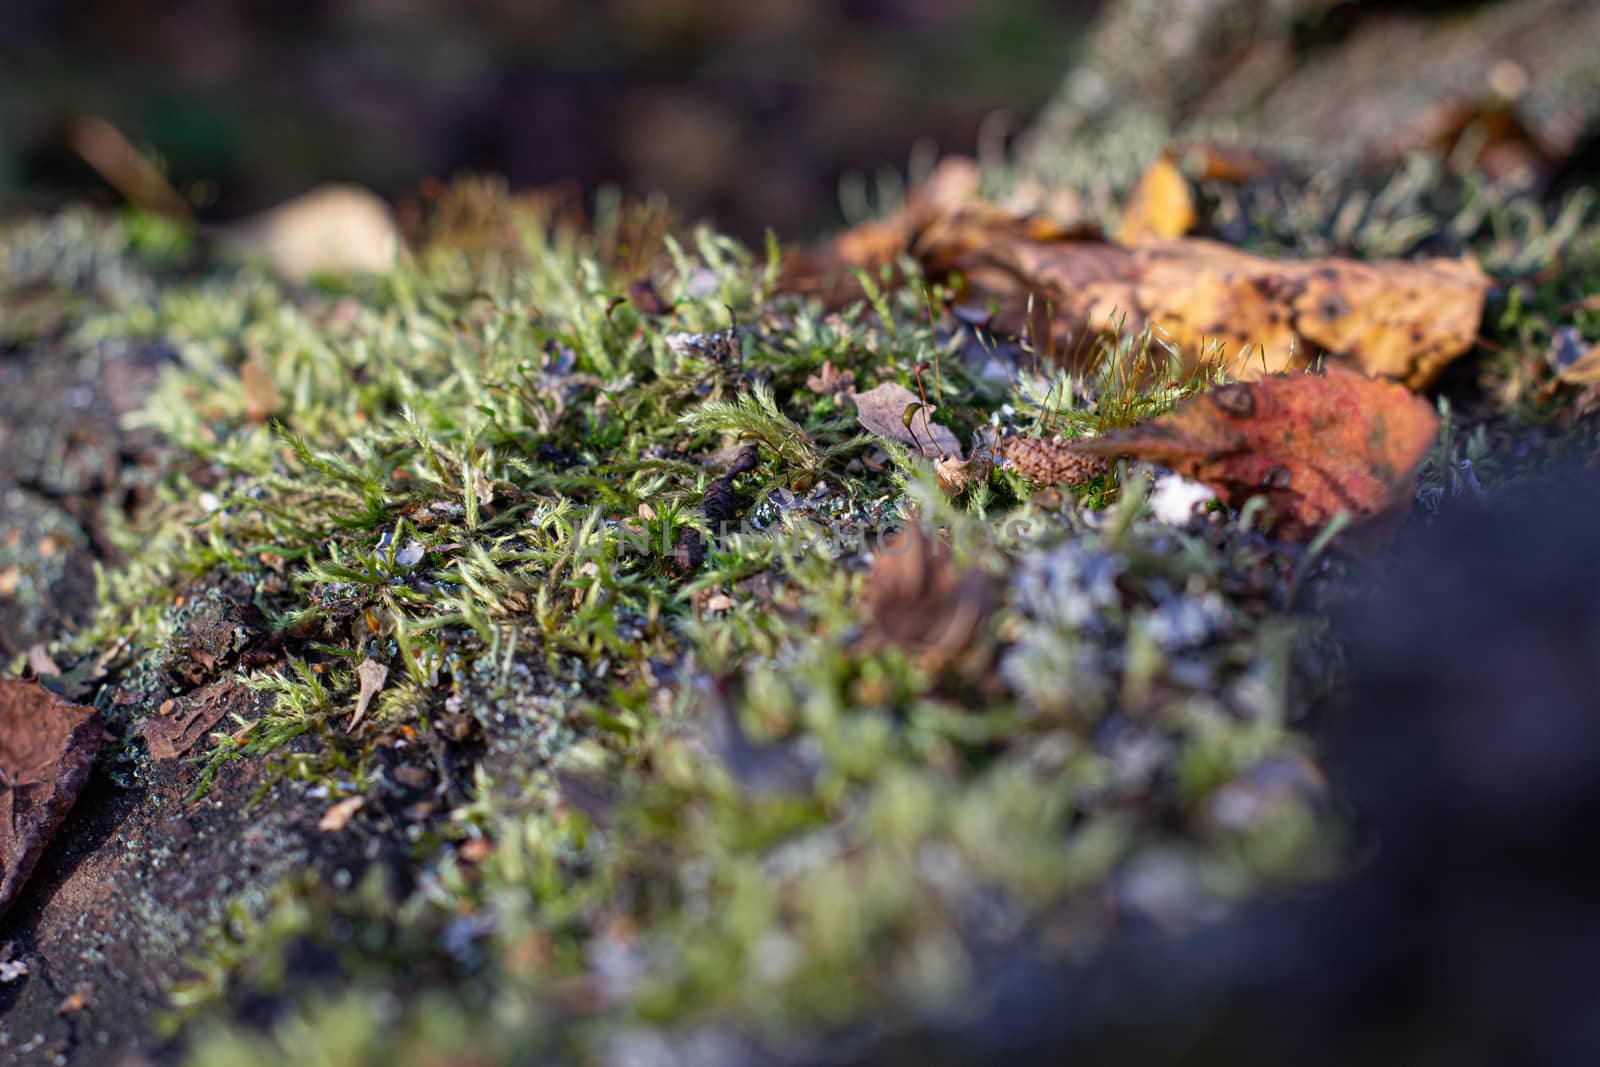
{"points": [[745, 111]]}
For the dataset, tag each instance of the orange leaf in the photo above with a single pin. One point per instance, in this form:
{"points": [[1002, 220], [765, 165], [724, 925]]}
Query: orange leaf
{"points": [[1160, 206], [1312, 445], [1401, 319]]}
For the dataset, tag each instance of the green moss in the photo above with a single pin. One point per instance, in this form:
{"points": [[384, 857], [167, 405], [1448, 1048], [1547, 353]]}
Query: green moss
{"points": [[665, 800]]}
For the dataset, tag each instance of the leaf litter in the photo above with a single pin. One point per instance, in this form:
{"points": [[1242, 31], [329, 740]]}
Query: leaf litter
{"points": [[47, 749]]}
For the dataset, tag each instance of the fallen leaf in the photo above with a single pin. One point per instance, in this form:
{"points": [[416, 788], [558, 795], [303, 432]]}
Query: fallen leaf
{"points": [[942, 215], [261, 397], [955, 473], [1054, 282], [179, 723], [830, 381], [718, 507], [1160, 205], [643, 296], [338, 816], [1403, 319], [883, 411], [916, 600], [40, 663], [1576, 361], [47, 748], [1232, 163], [372, 675], [1313, 445], [333, 229]]}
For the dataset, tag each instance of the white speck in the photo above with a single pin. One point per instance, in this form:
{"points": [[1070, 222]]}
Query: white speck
{"points": [[1175, 498]]}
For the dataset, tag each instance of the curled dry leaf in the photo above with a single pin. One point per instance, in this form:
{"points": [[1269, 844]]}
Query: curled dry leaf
{"points": [[718, 506], [916, 600], [1313, 445], [883, 411], [955, 473], [646, 300], [940, 216], [178, 724], [338, 816], [47, 748], [1160, 205], [831, 381], [372, 675]]}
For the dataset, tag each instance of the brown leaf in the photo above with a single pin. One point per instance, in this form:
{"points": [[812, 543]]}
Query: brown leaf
{"points": [[1312, 445], [1575, 363], [372, 675], [1232, 163], [917, 601], [1399, 319], [40, 663], [261, 397], [883, 411], [338, 816], [1053, 282], [941, 219], [642, 294], [47, 748], [1160, 206], [830, 381], [180, 723]]}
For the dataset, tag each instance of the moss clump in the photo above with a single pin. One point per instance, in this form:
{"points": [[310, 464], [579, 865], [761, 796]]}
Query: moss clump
{"points": [[624, 802]]}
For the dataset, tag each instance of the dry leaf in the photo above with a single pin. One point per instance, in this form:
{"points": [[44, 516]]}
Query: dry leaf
{"points": [[47, 748], [1400, 319], [1576, 361], [917, 601], [372, 675], [1312, 445], [941, 217], [261, 397], [830, 381], [1160, 206], [1052, 282], [179, 724], [955, 473], [646, 300], [1234, 164], [40, 663], [883, 411], [333, 229], [338, 816]]}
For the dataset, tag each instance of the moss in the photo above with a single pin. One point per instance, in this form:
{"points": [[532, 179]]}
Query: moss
{"points": [[636, 804]]}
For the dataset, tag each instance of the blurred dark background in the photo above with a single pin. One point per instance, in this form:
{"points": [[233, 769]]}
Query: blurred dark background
{"points": [[745, 111]]}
